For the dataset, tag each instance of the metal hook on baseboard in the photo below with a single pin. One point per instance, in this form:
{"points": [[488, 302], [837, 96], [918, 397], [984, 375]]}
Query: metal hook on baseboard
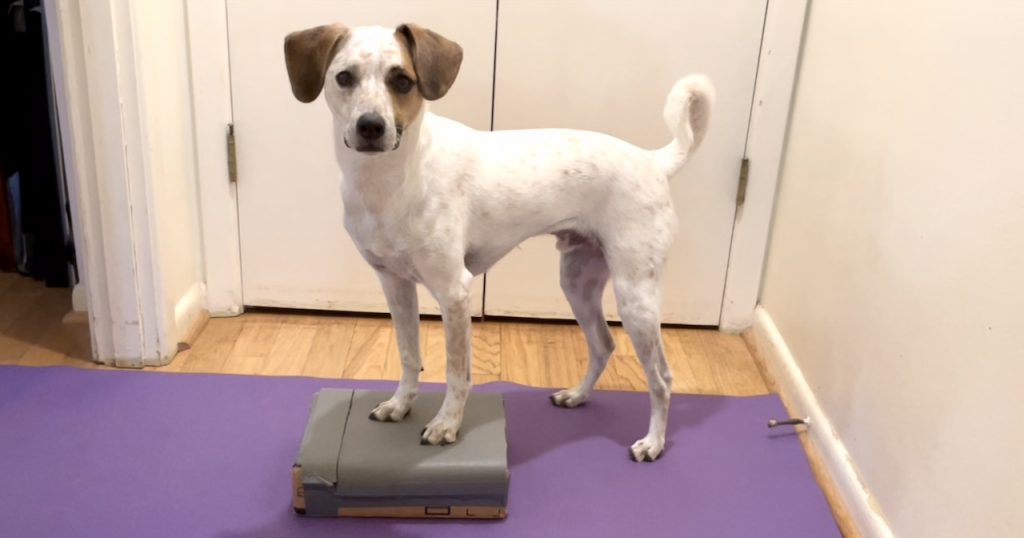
{"points": [[806, 421]]}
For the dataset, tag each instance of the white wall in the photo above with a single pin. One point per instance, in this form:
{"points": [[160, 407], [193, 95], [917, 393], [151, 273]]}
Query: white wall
{"points": [[897, 254], [164, 77]]}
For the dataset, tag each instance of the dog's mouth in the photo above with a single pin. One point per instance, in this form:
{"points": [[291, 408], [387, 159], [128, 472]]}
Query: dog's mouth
{"points": [[369, 147]]}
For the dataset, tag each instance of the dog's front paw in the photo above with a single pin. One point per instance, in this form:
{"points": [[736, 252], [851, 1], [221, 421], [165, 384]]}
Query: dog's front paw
{"points": [[392, 410], [568, 398], [647, 449], [440, 431]]}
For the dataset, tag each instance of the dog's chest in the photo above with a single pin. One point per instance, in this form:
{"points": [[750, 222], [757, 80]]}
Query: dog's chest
{"points": [[384, 241]]}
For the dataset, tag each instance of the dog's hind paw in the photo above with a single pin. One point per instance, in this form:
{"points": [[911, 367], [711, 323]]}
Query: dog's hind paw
{"points": [[647, 449], [390, 411], [568, 398]]}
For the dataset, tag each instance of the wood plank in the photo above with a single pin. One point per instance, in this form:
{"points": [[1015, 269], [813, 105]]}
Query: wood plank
{"points": [[271, 343], [486, 362], [432, 352], [692, 368], [77, 343], [8, 281], [36, 335], [624, 371], [32, 331], [567, 355], [249, 354], [368, 352], [290, 348], [520, 354], [212, 347], [391, 368], [486, 352], [18, 302], [542, 355], [734, 368], [330, 348]]}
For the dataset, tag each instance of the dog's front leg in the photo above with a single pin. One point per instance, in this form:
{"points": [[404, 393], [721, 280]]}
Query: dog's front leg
{"points": [[405, 314], [455, 311]]}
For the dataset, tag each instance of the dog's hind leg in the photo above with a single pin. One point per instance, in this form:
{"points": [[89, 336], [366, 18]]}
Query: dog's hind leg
{"points": [[405, 313], [584, 274], [635, 273]]}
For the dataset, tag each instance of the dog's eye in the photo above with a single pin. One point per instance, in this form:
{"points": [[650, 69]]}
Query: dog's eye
{"points": [[345, 79], [402, 84]]}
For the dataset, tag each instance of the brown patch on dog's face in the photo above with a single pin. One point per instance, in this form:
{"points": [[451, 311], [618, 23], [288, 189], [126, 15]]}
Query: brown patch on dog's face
{"points": [[406, 104]]}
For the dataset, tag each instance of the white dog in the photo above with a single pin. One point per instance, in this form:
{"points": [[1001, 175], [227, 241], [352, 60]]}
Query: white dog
{"points": [[431, 201]]}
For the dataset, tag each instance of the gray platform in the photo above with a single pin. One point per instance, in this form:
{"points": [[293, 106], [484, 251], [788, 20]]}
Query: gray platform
{"points": [[349, 465]]}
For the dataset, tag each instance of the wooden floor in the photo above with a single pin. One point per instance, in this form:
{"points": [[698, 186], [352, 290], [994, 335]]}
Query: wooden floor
{"points": [[32, 330], [334, 346]]}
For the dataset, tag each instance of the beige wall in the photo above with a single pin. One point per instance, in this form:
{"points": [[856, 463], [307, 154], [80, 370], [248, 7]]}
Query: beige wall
{"points": [[162, 61], [897, 254]]}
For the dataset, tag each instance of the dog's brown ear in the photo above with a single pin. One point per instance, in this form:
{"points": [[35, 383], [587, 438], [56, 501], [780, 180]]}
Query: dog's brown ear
{"points": [[435, 58], [307, 53]]}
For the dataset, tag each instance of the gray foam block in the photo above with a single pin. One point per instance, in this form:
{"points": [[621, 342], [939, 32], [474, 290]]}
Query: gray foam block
{"points": [[351, 465]]}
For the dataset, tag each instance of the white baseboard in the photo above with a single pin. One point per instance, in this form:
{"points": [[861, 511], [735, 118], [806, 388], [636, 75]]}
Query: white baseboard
{"points": [[190, 313], [78, 298], [800, 400]]}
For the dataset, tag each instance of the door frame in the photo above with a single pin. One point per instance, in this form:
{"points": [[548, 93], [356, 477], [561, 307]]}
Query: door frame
{"points": [[777, 64], [139, 310], [207, 27], [93, 59], [770, 106]]}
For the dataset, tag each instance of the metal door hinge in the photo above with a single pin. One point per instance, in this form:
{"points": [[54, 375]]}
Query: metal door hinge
{"points": [[232, 160], [741, 189]]}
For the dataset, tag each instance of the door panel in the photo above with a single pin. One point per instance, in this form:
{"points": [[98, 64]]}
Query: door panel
{"points": [[607, 66], [295, 251]]}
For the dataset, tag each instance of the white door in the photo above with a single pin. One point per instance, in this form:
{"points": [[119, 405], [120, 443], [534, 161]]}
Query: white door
{"points": [[607, 66], [592, 64], [295, 251]]}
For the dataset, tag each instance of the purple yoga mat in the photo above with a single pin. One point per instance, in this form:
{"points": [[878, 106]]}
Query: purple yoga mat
{"points": [[141, 454]]}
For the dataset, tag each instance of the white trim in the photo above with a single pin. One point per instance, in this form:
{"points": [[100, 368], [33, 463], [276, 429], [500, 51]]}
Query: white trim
{"points": [[156, 348], [800, 401], [88, 158], [190, 312], [104, 139], [207, 28], [70, 94], [79, 303], [769, 117]]}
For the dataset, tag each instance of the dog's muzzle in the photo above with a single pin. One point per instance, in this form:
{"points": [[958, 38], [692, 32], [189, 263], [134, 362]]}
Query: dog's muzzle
{"points": [[371, 128]]}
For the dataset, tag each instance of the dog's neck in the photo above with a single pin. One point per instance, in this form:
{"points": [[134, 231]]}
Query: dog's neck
{"points": [[374, 180]]}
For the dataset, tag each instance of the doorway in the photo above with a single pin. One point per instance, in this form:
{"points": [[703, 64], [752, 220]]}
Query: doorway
{"points": [[39, 320]]}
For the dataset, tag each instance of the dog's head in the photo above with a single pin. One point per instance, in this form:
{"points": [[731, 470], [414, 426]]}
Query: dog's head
{"points": [[374, 79]]}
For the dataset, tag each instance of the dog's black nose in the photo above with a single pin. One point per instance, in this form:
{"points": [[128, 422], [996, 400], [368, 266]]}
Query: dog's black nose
{"points": [[370, 126]]}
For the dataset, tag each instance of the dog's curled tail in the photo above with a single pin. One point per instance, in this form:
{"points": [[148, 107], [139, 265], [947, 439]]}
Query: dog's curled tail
{"points": [[687, 111]]}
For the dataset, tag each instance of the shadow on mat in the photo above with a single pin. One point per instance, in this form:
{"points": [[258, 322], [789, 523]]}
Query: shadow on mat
{"points": [[535, 426], [289, 524]]}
